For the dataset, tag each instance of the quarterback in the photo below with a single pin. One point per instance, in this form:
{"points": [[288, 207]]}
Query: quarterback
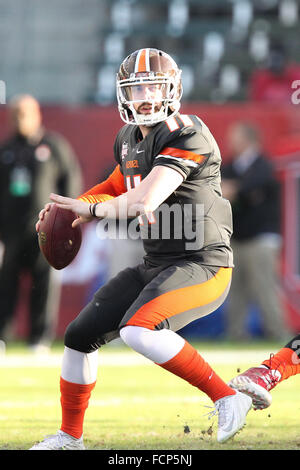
{"points": [[163, 160]]}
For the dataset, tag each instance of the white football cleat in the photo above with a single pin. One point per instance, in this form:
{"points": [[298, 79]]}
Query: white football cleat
{"points": [[232, 412], [59, 441]]}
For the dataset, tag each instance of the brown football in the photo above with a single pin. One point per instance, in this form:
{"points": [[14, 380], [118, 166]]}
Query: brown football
{"points": [[58, 240]]}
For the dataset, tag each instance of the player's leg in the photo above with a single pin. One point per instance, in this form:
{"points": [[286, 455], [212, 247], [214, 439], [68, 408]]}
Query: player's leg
{"points": [[96, 325], [78, 379], [163, 308], [287, 360], [258, 381], [177, 296]]}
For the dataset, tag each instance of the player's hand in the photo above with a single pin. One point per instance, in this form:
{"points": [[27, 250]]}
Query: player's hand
{"points": [[80, 208], [42, 215]]}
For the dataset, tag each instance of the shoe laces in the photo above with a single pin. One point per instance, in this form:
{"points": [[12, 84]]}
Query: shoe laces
{"points": [[223, 408], [272, 378], [52, 437], [211, 413]]}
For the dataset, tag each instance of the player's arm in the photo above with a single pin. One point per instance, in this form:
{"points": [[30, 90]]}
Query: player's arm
{"points": [[153, 190], [159, 184], [112, 187]]}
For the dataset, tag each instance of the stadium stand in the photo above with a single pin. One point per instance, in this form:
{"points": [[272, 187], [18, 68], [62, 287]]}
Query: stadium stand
{"points": [[68, 51]]}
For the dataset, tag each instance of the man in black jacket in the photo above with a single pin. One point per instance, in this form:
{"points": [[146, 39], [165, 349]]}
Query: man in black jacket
{"points": [[33, 162], [249, 183]]}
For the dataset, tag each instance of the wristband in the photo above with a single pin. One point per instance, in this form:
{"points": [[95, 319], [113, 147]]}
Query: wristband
{"points": [[92, 208]]}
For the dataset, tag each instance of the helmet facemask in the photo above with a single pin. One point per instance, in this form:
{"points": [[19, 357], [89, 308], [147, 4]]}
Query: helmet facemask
{"points": [[150, 88]]}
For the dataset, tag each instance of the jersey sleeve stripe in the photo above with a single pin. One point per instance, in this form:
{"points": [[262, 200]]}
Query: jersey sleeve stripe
{"points": [[188, 162], [172, 124], [84, 199], [96, 198], [186, 120], [185, 154]]}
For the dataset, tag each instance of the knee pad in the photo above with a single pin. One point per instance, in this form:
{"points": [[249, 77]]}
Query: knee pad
{"points": [[74, 339]]}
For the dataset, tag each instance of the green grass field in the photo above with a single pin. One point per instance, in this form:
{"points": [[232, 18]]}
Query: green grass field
{"points": [[137, 405]]}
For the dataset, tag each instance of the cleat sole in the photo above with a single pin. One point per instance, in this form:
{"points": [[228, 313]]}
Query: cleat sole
{"points": [[261, 398]]}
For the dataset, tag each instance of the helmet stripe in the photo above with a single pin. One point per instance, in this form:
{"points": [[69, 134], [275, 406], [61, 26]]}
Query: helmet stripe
{"points": [[140, 64], [148, 60]]}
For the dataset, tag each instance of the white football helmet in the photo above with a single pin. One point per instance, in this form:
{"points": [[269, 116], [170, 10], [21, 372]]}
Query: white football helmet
{"points": [[152, 78]]}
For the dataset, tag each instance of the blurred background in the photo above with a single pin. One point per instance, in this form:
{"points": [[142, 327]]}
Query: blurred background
{"points": [[240, 62]]}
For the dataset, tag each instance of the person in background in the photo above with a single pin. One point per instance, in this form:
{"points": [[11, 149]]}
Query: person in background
{"points": [[33, 162], [249, 183]]}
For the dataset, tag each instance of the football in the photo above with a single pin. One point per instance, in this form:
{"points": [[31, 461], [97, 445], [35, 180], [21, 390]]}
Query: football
{"points": [[58, 240]]}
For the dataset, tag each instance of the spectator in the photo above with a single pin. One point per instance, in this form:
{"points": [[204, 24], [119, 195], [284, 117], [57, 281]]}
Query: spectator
{"points": [[273, 83], [33, 163], [249, 183]]}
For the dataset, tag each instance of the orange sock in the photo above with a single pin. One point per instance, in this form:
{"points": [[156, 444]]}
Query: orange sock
{"points": [[74, 402], [285, 361], [190, 366]]}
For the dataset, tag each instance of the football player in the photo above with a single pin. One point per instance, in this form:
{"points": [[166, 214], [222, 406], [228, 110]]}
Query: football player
{"points": [[168, 167], [258, 381]]}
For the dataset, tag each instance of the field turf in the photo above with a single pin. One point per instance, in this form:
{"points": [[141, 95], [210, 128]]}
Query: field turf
{"points": [[137, 405]]}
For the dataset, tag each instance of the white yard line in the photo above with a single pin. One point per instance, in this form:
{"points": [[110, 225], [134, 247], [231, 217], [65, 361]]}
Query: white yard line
{"points": [[113, 401], [130, 358]]}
